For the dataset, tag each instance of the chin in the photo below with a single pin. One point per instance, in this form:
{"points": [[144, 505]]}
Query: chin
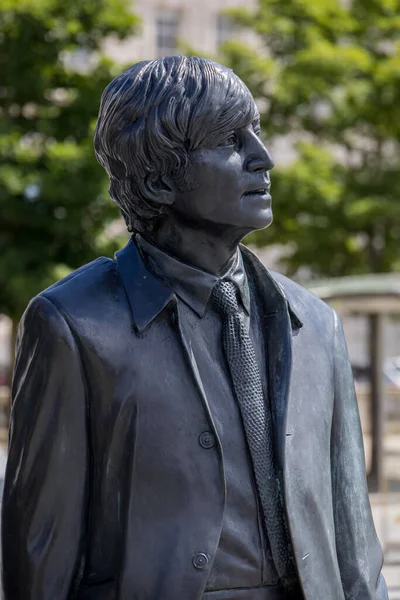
{"points": [[262, 220]]}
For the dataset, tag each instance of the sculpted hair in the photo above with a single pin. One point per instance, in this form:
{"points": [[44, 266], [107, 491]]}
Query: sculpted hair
{"points": [[152, 116]]}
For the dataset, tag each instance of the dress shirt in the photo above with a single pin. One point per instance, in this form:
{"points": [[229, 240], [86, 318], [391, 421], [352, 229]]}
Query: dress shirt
{"points": [[243, 558]]}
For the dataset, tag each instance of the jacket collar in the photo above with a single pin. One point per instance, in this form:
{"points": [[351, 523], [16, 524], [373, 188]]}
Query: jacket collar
{"points": [[280, 322], [148, 296], [272, 291]]}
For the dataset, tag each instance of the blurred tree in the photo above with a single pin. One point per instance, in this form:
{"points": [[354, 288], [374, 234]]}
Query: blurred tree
{"points": [[54, 204], [327, 76]]}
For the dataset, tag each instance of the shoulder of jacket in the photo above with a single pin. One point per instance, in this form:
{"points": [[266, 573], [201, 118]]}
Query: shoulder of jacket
{"points": [[81, 289], [87, 273], [91, 274]]}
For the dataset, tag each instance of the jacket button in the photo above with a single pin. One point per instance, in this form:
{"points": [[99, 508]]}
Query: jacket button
{"points": [[207, 440], [200, 561]]}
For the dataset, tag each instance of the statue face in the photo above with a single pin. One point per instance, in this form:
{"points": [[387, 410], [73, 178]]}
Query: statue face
{"points": [[231, 183]]}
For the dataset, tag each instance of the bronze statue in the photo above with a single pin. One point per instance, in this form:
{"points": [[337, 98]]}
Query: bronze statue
{"points": [[184, 422]]}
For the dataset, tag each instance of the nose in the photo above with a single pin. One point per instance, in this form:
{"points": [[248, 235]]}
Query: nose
{"points": [[258, 157]]}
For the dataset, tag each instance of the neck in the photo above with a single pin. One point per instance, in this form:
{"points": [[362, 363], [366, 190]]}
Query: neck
{"points": [[210, 248]]}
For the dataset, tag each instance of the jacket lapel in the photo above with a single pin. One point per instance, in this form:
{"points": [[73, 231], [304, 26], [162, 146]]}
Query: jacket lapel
{"points": [[148, 296], [280, 322]]}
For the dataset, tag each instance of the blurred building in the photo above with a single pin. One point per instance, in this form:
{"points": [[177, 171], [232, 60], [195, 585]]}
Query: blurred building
{"points": [[168, 25]]}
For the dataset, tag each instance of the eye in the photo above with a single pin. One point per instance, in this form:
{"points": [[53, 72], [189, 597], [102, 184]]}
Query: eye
{"points": [[230, 141]]}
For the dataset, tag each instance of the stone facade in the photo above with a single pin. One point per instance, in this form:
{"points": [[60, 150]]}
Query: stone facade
{"points": [[166, 24]]}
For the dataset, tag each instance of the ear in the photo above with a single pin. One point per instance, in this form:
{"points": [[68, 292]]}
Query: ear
{"points": [[159, 190]]}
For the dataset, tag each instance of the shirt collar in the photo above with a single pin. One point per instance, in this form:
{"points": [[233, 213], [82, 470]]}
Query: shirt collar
{"points": [[148, 296], [190, 284]]}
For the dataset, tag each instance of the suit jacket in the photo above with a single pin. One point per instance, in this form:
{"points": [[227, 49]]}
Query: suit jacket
{"points": [[108, 493]]}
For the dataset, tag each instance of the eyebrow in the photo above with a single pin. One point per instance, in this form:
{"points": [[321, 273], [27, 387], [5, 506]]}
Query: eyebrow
{"points": [[255, 123]]}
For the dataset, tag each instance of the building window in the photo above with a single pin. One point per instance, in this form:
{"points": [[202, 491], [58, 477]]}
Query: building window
{"points": [[225, 29], [167, 30]]}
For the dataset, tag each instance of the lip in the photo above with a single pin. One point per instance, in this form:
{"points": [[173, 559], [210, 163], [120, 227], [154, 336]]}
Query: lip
{"points": [[262, 190], [258, 193]]}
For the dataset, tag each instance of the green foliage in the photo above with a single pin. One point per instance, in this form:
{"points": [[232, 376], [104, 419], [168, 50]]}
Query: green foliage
{"points": [[327, 73], [54, 204]]}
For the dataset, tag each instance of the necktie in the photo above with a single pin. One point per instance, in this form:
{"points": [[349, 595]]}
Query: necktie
{"points": [[256, 416]]}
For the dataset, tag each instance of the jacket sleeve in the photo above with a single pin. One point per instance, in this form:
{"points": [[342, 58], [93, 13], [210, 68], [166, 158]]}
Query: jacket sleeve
{"points": [[358, 549], [45, 490]]}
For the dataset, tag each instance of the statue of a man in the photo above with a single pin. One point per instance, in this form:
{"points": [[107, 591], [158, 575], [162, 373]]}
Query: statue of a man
{"points": [[184, 422]]}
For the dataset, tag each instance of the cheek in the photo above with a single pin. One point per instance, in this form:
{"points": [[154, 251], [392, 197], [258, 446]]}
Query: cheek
{"points": [[224, 173], [216, 178]]}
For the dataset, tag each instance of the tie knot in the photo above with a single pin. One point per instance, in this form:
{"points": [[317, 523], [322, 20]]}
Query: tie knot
{"points": [[224, 297]]}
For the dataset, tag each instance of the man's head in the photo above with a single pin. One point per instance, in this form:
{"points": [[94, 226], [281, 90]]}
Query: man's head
{"points": [[157, 122]]}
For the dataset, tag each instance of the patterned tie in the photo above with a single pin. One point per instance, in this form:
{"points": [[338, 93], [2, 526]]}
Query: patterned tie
{"points": [[256, 416]]}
